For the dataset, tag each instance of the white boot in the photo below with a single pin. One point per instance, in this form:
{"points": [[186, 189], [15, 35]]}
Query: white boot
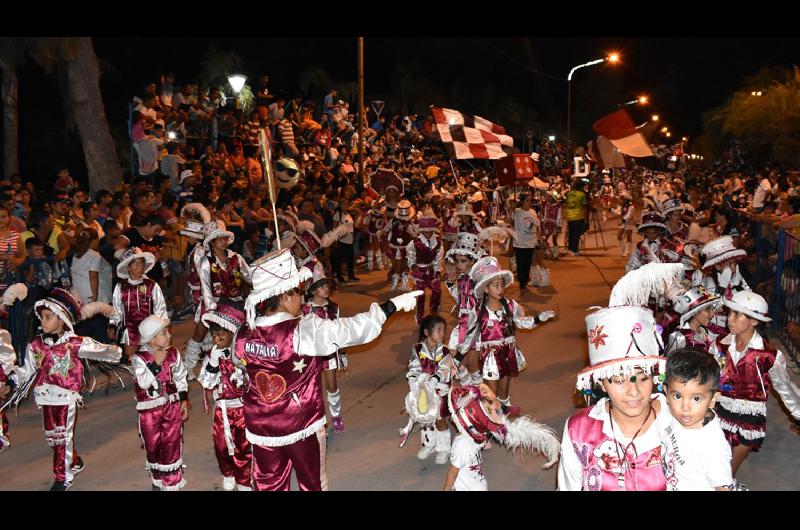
{"points": [[192, 356], [443, 446], [243, 488], [369, 260], [428, 442], [228, 483], [395, 280], [405, 286], [545, 278], [475, 378]]}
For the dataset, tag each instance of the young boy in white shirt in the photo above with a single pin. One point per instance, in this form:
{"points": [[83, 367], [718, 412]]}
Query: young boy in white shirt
{"points": [[697, 455]]}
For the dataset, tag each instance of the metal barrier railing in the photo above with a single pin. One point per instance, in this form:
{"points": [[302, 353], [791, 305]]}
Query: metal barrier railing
{"points": [[785, 302]]}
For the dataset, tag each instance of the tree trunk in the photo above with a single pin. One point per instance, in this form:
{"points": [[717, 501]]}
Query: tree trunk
{"points": [[83, 95], [10, 121]]}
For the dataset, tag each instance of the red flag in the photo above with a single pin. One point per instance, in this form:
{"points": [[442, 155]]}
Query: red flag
{"points": [[623, 134]]}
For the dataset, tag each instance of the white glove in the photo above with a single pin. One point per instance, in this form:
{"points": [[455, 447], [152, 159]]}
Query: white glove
{"points": [[406, 301], [544, 316], [725, 277]]}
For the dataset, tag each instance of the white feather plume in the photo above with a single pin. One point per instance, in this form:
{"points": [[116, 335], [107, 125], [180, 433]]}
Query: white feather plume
{"points": [[196, 212], [527, 435], [653, 279], [93, 308], [17, 291]]}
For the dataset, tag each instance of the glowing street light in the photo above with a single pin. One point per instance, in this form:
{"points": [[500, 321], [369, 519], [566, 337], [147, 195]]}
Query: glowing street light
{"points": [[684, 139], [669, 134], [664, 129], [643, 100], [551, 138], [237, 84], [655, 117], [755, 93], [612, 58]]}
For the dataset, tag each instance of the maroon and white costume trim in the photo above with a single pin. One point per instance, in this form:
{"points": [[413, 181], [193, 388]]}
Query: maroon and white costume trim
{"points": [[221, 278], [160, 425], [133, 301], [399, 235], [8, 361], [424, 258], [283, 408], [58, 371], [228, 383], [493, 338]]}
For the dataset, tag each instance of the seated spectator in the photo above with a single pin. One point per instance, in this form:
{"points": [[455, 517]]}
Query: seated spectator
{"points": [[12, 250], [91, 274]]}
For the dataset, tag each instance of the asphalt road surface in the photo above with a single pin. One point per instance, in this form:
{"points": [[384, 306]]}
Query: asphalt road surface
{"points": [[366, 456]]}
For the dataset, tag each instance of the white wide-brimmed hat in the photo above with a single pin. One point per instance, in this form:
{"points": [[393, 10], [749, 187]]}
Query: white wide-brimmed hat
{"points": [[671, 205], [273, 274], [466, 244], [428, 224], [750, 304], [129, 254], [405, 210], [214, 230], [464, 209], [720, 249], [695, 300], [652, 220], [484, 271], [150, 327]]}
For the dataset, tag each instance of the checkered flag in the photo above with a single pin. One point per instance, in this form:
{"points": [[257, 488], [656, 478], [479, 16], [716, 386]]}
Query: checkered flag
{"points": [[466, 136]]}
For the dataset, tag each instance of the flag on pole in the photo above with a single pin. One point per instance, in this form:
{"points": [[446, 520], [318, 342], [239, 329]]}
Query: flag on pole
{"points": [[605, 153], [623, 134], [466, 136]]}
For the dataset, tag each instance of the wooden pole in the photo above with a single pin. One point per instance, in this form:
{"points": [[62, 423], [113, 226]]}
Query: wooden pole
{"points": [[361, 114]]}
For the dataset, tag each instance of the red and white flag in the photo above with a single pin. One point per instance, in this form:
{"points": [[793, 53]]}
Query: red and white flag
{"points": [[623, 134], [466, 136]]}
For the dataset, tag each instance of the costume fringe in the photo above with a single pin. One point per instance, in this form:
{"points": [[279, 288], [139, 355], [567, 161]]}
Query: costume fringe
{"points": [[653, 279], [281, 441], [165, 467], [256, 297], [743, 406], [93, 308], [155, 403], [625, 368], [745, 433], [180, 485]]}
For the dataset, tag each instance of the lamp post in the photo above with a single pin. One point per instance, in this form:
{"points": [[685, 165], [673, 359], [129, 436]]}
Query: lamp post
{"points": [[237, 84], [641, 100], [612, 58]]}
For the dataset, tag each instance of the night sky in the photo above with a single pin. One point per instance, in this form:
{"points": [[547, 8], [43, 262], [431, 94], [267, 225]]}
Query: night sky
{"points": [[684, 76]]}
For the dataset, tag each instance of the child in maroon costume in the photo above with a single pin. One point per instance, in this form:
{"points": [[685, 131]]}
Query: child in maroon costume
{"points": [[162, 400], [424, 256], [228, 383], [53, 359], [498, 319], [8, 361], [222, 275], [320, 303], [135, 297], [283, 409], [400, 232]]}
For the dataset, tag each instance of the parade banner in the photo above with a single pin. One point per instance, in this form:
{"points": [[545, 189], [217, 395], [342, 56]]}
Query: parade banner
{"points": [[623, 134], [466, 136]]}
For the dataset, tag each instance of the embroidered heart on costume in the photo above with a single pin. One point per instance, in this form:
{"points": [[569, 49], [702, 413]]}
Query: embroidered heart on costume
{"points": [[271, 387]]}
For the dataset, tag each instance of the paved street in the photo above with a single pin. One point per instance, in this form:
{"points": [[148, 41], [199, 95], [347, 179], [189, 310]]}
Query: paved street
{"points": [[366, 456]]}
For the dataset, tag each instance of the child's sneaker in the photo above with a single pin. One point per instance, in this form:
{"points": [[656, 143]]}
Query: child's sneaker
{"points": [[77, 466], [442, 457], [243, 488], [61, 485], [228, 483], [426, 451], [338, 424]]}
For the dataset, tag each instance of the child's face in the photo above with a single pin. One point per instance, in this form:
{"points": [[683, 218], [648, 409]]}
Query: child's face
{"points": [[739, 323], [437, 333], [136, 268], [704, 316], [651, 233], [162, 340], [299, 251], [37, 251], [220, 244], [463, 263], [496, 289], [689, 401], [324, 291], [50, 322], [222, 338]]}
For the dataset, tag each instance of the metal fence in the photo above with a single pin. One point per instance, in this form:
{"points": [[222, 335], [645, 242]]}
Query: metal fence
{"points": [[785, 300]]}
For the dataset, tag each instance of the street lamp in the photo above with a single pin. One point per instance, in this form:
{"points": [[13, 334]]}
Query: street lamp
{"points": [[669, 134], [237, 84], [612, 58], [551, 138], [655, 117]]}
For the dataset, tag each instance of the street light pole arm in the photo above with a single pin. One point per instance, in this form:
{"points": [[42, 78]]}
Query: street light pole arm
{"points": [[590, 63]]}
